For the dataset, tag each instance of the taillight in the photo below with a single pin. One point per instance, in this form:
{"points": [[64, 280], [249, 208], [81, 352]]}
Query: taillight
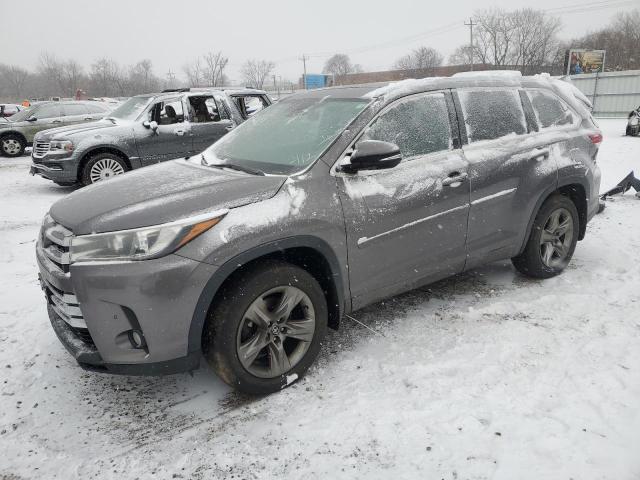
{"points": [[596, 138]]}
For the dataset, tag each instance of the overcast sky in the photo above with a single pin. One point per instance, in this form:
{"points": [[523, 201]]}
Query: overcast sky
{"points": [[170, 33]]}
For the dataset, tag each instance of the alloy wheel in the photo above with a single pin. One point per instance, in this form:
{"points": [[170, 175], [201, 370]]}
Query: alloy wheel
{"points": [[275, 332], [104, 169], [556, 238], [11, 146]]}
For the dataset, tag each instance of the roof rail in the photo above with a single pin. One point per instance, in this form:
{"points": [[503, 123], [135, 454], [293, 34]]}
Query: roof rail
{"points": [[171, 90]]}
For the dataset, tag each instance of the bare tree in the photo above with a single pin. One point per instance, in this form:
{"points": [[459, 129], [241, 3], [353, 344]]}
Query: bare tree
{"points": [[423, 58], [102, 76], [214, 65], [339, 65], [255, 72], [51, 71], [463, 55], [72, 76], [142, 78], [494, 36], [15, 77], [194, 73], [535, 39]]}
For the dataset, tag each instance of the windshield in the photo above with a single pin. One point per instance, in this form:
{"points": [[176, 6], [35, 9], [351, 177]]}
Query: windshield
{"points": [[22, 114], [288, 136], [131, 109]]}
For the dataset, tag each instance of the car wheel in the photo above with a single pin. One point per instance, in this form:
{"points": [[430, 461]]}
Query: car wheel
{"points": [[552, 240], [101, 167], [12, 145], [266, 328]]}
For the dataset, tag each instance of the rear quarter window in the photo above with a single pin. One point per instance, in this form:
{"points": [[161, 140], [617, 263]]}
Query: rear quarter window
{"points": [[491, 113], [550, 110]]}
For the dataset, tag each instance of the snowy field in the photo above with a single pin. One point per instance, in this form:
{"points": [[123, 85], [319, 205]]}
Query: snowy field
{"points": [[487, 375]]}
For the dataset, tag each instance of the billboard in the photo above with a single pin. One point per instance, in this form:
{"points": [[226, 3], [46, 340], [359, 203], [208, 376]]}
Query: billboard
{"points": [[314, 80], [579, 61]]}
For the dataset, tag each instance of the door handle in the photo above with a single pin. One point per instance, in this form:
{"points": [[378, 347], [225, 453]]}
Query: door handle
{"points": [[540, 154], [57, 121], [454, 179]]}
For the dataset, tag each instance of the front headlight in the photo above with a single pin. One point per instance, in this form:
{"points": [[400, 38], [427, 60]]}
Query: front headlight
{"points": [[61, 145], [141, 243]]}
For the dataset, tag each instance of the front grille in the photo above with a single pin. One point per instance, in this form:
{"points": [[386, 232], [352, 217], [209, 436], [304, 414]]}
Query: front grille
{"points": [[40, 149], [55, 241]]}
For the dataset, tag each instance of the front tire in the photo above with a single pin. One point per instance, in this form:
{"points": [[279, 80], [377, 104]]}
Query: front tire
{"points": [[12, 145], [266, 328], [552, 240], [102, 166]]}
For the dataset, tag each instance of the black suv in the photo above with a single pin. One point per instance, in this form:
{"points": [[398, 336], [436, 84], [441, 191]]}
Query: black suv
{"points": [[144, 130]]}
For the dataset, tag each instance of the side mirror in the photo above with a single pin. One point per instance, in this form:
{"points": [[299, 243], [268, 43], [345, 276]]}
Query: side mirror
{"points": [[153, 125], [373, 155], [32, 118]]}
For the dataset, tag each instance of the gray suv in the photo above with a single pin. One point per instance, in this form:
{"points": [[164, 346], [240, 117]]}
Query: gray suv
{"points": [[144, 130], [18, 131], [327, 201]]}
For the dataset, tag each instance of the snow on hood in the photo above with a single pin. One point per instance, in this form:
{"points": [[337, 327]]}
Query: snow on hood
{"points": [[69, 130], [159, 194]]}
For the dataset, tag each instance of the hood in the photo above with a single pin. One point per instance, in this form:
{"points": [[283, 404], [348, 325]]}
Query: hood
{"points": [[83, 128], [159, 194]]}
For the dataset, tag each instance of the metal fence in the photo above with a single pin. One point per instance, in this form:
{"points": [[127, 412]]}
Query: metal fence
{"points": [[613, 94]]}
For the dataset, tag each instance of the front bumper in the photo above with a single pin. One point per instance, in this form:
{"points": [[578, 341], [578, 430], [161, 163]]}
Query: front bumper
{"points": [[58, 168], [55, 173], [88, 357], [94, 307]]}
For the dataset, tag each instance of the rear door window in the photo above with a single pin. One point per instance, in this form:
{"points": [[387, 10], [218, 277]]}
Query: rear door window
{"points": [[168, 112], [48, 111], [418, 125], [92, 108], [205, 109], [249, 105], [549, 109], [491, 113], [72, 109]]}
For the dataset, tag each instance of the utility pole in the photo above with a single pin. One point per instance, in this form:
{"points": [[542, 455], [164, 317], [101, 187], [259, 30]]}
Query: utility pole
{"points": [[470, 25], [304, 66], [171, 77]]}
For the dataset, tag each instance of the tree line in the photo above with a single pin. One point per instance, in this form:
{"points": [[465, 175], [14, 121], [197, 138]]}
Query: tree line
{"points": [[524, 39], [56, 77]]}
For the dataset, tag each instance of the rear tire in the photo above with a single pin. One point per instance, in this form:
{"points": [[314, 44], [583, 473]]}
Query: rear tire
{"points": [[258, 338], [552, 240], [12, 145], [102, 166]]}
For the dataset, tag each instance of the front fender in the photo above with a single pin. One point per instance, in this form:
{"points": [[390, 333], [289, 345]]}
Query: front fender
{"points": [[224, 271]]}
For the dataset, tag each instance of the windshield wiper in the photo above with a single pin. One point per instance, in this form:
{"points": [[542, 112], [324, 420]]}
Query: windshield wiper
{"points": [[240, 168]]}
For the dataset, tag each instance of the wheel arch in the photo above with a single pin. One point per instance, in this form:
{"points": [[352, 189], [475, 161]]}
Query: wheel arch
{"points": [[101, 149], [577, 190], [17, 133], [308, 252]]}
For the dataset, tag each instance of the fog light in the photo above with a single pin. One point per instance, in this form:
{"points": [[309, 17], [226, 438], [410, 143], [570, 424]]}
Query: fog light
{"points": [[137, 339]]}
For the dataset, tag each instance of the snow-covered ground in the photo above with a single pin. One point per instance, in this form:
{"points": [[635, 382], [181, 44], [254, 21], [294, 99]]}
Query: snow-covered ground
{"points": [[487, 375]]}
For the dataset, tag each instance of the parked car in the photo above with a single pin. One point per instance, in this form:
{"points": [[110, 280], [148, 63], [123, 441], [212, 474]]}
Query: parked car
{"points": [[633, 123], [325, 202], [144, 130], [18, 132], [8, 109]]}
